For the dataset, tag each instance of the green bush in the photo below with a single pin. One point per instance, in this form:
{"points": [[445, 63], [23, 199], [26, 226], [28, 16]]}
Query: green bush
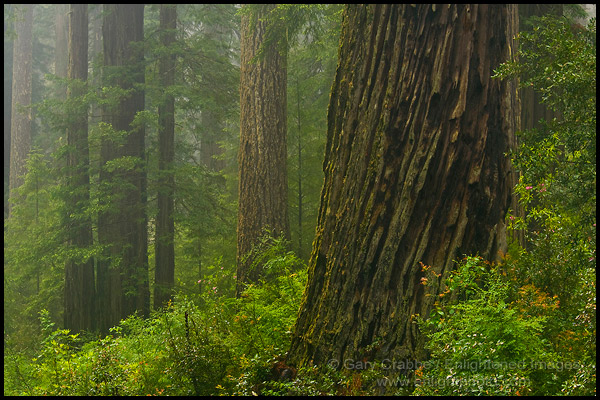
{"points": [[491, 342]]}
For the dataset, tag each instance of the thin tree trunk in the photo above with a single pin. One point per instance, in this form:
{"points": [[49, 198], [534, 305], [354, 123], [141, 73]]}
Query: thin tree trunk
{"points": [[299, 137], [415, 171], [79, 277], [262, 154], [165, 228]]}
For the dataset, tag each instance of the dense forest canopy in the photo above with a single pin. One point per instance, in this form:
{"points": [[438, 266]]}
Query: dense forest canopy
{"points": [[217, 199]]}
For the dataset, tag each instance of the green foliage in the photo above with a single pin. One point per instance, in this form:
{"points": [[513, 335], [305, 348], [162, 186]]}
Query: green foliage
{"points": [[203, 344], [526, 326], [51, 371], [206, 117], [557, 162], [288, 24], [493, 342], [197, 350], [205, 224], [558, 60], [36, 245], [34, 252], [557, 188], [267, 311]]}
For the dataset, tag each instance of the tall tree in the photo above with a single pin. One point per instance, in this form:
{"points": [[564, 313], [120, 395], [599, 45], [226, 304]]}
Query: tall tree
{"points": [[263, 152], [299, 174], [122, 279], [311, 67], [532, 108], [165, 227], [212, 114], [79, 275], [20, 127], [415, 171], [95, 50], [61, 52], [8, 60]]}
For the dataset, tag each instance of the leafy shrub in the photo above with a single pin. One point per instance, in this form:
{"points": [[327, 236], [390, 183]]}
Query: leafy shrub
{"points": [[266, 311], [493, 341]]}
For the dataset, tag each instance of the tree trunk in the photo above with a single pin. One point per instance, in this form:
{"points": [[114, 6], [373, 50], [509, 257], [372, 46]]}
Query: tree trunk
{"points": [[96, 48], [532, 108], [61, 52], [263, 153], [165, 228], [218, 98], [20, 127], [79, 277], [8, 60], [212, 133], [415, 171], [123, 280], [299, 175]]}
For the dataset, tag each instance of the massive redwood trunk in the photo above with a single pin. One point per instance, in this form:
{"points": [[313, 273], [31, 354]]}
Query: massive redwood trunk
{"points": [[415, 171]]}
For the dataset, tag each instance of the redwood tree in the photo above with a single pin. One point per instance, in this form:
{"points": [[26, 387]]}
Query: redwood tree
{"points": [[122, 279], [165, 226], [79, 275], [532, 107], [415, 171], [263, 151], [20, 127], [61, 51]]}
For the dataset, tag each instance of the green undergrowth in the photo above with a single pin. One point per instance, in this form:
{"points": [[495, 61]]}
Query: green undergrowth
{"points": [[200, 344], [502, 336]]}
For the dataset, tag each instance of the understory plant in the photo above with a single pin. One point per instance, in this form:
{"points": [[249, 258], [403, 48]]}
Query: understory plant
{"points": [[491, 339], [199, 344]]}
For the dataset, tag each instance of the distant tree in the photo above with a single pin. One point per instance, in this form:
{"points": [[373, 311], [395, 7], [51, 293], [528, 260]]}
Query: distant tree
{"points": [[8, 60], [311, 68], [263, 151], [212, 112], [79, 275], [415, 171], [122, 279], [20, 128], [165, 227], [95, 50], [532, 108], [61, 53]]}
